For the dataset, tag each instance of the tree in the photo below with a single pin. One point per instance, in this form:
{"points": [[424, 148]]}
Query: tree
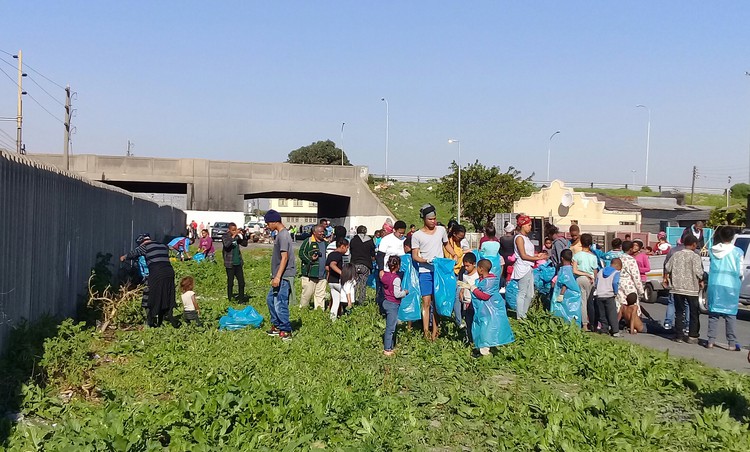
{"points": [[740, 191], [318, 153], [485, 191], [732, 215]]}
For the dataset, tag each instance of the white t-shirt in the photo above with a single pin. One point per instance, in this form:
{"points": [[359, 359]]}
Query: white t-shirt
{"points": [[471, 279], [348, 288], [187, 300], [430, 246], [390, 245], [522, 267]]}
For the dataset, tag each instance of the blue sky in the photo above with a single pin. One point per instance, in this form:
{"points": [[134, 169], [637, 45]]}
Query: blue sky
{"points": [[253, 80]]}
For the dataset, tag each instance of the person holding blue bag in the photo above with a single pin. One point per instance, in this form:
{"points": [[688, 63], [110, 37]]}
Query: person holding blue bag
{"points": [[490, 327], [393, 295], [566, 297], [724, 287]]}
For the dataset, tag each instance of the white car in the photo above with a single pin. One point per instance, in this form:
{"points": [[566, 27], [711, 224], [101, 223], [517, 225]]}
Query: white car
{"points": [[742, 241]]}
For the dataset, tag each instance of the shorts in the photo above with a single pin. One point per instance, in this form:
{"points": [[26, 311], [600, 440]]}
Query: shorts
{"points": [[426, 285]]}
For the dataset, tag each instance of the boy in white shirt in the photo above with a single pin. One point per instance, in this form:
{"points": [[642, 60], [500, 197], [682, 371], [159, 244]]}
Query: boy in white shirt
{"points": [[469, 276]]}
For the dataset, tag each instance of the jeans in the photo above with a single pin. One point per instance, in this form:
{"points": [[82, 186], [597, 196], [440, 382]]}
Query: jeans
{"points": [[608, 314], [457, 308], [713, 324], [360, 290], [525, 294], [313, 288], [469, 313], [191, 317], [235, 271], [694, 325], [669, 316], [278, 305], [391, 320]]}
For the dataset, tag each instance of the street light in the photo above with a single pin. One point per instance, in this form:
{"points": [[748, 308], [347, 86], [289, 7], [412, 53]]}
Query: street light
{"points": [[648, 141], [748, 74], [633, 171], [386, 137], [451, 141], [549, 152], [342, 143]]}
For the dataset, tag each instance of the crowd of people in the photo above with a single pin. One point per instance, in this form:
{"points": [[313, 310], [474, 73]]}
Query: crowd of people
{"points": [[600, 291]]}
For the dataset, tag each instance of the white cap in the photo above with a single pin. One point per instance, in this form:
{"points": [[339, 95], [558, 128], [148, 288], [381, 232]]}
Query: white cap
{"points": [[510, 228]]}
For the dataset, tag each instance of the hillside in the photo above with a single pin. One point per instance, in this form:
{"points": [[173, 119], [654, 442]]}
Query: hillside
{"points": [[405, 198], [700, 199]]}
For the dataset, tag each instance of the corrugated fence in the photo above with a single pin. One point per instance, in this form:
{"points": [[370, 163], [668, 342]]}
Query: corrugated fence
{"points": [[52, 225]]}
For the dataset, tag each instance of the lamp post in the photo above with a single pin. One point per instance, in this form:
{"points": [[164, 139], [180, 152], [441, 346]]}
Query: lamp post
{"points": [[549, 152], [383, 99], [451, 141], [342, 143], [648, 141], [633, 171], [748, 74]]}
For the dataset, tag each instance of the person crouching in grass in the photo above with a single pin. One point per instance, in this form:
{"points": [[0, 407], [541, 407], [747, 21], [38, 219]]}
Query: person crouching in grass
{"points": [[190, 305], [393, 295], [629, 312]]}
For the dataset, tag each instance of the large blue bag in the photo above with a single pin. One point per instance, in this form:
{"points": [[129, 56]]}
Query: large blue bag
{"points": [[371, 279], [235, 319], [511, 293], [543, 276], [411, 305], [445, 285], [496, 269], [491, 327], [570, 308], [724, 282]]}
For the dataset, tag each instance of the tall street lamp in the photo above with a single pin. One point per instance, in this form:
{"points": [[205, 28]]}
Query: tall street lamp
{"points": [[748, 74], [633, 171], [342, 143], [648, 140], [383, 99], [451, 141], [549, 152]]}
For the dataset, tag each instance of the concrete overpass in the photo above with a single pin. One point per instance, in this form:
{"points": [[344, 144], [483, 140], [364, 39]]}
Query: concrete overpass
{"points": [[341, 192]]}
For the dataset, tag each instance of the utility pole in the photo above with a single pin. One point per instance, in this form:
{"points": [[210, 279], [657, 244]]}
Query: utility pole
{"points": [[66, 147], [131, 145], [342, 143], [19, 115], [692, 187], [729, 188]]}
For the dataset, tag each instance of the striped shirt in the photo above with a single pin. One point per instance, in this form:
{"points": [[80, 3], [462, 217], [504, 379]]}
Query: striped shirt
{"points": [[155, 253]]}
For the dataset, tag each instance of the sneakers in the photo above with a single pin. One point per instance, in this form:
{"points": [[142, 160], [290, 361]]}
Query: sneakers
{"points": [[618, 334], [692, 340], [388, 352], [273, 331], [709, 344], [285, 336], [667, 326]]}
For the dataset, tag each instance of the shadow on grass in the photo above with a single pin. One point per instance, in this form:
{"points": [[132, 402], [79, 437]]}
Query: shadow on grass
{"points": [[731, 399], [20, 366]]}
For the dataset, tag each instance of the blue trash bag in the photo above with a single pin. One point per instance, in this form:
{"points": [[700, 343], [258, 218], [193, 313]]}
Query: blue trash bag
{"points": [[496, 269], [569, 309], [543, 276], [724, 282], [411, 305], [445, 285], [511, 293], [199, 257], [371, 280], [491, 327], [235, 319]]}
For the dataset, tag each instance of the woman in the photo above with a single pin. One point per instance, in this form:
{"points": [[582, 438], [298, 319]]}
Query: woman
{"points": [[644, 266], [489, 245], [458, 244], [507, 249], [161, 288], [525, 259]]}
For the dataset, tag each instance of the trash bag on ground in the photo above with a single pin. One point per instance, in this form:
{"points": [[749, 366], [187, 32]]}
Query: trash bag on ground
{"points": [[411, 305], [445, 285], [724, 282], [235, 319], [199, 257], [569, 309], [491, 327], [511, 293]]}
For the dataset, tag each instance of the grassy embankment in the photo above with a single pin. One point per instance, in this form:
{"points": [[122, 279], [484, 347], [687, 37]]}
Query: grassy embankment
{"points": [[198, 388]]}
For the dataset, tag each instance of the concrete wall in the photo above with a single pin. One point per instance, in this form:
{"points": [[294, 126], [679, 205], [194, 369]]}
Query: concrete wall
{"points": [[587, 210], [53, 224]]}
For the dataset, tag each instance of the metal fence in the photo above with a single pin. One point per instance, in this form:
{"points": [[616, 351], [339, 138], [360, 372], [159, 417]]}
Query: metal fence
{"points": [[53, 225]]}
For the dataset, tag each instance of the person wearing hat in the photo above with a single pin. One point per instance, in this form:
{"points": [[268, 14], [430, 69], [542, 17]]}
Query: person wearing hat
{"points": [[426, 244], [283, 270], [663, 247], [231, 242], [161, 288], [525, 258], [507, 250]]}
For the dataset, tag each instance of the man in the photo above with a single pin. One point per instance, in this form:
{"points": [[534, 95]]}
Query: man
{"points": [[231, 242], [696, 230], [685, 273], [392, 244], [283, 270], [312, 257], [362, 254], [161, 287], [412, 230], [428, 243], [724, 287]]}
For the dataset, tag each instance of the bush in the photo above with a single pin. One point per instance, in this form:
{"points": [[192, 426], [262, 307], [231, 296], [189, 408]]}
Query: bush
{"points": [[646, 189], [740, 190], [66, 358]]}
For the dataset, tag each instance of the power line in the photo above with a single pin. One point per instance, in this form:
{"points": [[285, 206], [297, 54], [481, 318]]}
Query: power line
{"points": [[45, 91], [43, 108], [34, 70]]}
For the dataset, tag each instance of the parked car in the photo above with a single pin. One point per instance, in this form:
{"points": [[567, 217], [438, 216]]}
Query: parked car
{"points": [[218, 230], [742, 241]]}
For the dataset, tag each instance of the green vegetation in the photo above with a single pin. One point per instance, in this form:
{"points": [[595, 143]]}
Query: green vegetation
{"points": [[319, 153], [407, 207], [700, 199], [198, 388]]}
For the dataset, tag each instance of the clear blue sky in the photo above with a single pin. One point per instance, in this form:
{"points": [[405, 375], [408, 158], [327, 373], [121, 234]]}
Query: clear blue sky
{"points": [[253, 80]]}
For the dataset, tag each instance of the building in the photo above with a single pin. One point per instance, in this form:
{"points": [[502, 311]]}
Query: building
{"points": [[594, 213], [658, 213], [295, 212]]}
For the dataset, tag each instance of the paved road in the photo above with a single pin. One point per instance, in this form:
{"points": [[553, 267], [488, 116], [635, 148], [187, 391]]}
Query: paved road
{"points": [[716, 357]]}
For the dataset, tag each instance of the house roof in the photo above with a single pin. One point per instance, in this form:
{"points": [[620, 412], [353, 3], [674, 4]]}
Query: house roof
{"points": [[615, 204], [658, 203]]}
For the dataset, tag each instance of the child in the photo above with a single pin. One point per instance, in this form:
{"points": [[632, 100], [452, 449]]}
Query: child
{"points": [[348, 285], [206, 246], [629, 312], [616, 251], [192, 311], [585, 267], [724, 287], [334, 265], [393, 295], [490, 327], [566, 297], [469, 276], [607, 286]]}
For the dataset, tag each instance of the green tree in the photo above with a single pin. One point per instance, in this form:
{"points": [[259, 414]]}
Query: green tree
{"points": [[732, 215], [318, 153], [485, 191], [740, 191]]}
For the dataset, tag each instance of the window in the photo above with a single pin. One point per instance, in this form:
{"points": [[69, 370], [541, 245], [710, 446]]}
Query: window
{"points": [[282, 203], [573, 221], [312, 204], [297, 203], [627, 223]]}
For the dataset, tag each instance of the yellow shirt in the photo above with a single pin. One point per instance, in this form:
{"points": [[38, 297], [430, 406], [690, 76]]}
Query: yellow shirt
{"points": [[459, 255]]}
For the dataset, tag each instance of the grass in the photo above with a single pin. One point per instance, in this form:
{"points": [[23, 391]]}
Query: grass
{"points": [[407, 209], [700, 199], [193, 388]]}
